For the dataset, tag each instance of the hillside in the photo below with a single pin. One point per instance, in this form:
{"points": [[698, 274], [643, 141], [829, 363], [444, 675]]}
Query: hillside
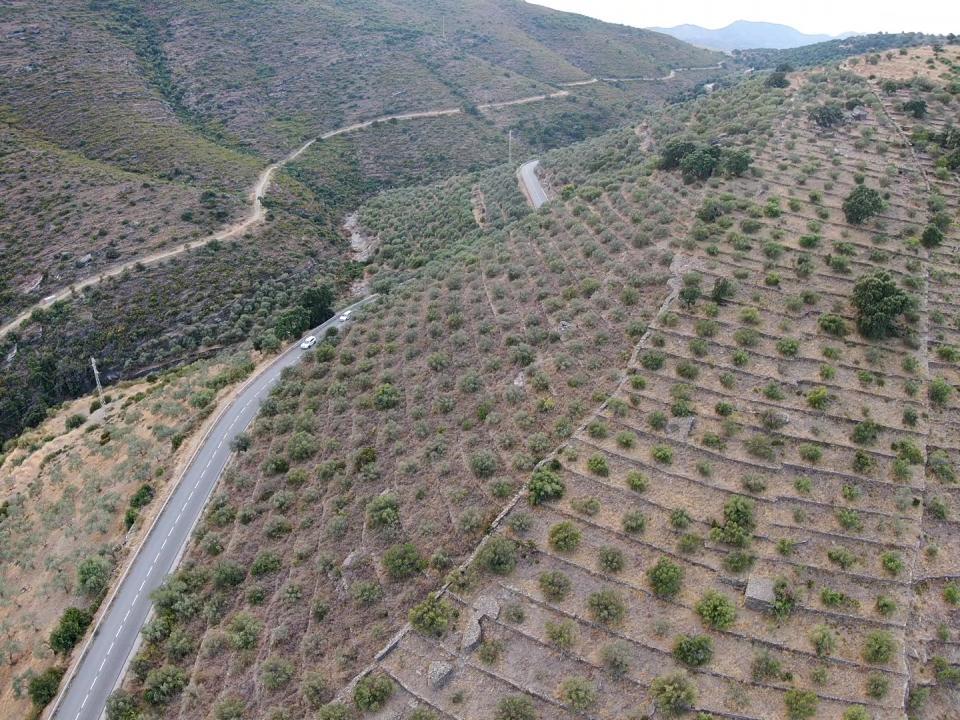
{"points": [[691, 428], [130, 129], [745, 34], [823, 53]]}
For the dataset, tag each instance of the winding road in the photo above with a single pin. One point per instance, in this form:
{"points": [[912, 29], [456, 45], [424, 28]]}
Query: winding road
{"points": [[530, 183], [99, 666], [256, 212], [669, 76]]}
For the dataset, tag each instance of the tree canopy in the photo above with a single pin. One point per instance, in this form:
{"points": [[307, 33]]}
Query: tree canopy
{"points": [[879, 302], [861, 204]]}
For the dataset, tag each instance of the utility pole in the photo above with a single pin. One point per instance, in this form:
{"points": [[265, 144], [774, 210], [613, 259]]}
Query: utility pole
{"points": [[96, 376], [510, 147]]}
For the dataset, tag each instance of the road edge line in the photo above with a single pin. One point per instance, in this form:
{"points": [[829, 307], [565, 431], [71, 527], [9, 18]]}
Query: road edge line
{"points": [[50, 710]]}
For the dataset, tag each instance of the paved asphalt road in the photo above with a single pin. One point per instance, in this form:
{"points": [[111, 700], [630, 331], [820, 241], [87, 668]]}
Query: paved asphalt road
{"points": [[535, 191], [106, 656]]}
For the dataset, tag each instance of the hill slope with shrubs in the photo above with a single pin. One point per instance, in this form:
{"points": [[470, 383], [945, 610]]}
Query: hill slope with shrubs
{"points": [[738, 504], [129, 128]]}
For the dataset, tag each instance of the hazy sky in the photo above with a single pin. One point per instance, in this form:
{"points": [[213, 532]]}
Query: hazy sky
{"points": [[810, 16]]}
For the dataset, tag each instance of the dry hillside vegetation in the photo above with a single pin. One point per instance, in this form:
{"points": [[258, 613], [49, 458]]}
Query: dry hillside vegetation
{"points": [[757, 522], [129, 128], [379, 462], [79, 490]]}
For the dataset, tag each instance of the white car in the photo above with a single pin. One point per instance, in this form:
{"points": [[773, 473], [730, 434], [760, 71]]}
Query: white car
{"points": [[345, 316], [308, 342]]}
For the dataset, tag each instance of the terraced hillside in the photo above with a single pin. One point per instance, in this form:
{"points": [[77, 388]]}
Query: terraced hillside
{"points": [[131, 129], [757, 520], [490, 350]]}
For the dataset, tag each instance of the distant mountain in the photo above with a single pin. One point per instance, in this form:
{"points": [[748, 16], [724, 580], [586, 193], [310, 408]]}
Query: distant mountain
{"points": [[744, 34]]}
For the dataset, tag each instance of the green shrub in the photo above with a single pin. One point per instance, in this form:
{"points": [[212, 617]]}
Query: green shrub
{"points": [[634, 522], [892, 562], [490, 651], [383, 511], [544, 485], [432, 616], [561, 635], [515, 707], [372, 692], [879, 647], [610, 559], [402, 561], [484, 464], [334, 711], [716, 610], [939, 391], [564, 536], [499, 555], [276, 672], [44, 686], [767, 667], [856, 712], [607, 607], [554, 585], [597, 464], [579, 693], [93, 575], [637, 481], [665, 578], [673, 694], [264, 563], [616, 657], [823, 639], [662, 454], [833, 324], [163, 684], [123, 705], [693, 650], [386, 397], [801, 704], [244, 631], [877, 685], [70, 629]]}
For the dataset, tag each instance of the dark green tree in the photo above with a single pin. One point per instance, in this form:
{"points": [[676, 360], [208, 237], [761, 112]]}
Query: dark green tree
{"points": [[827, 115], [879, 302], [675, 151], [43, 687], [861, 204], [734, 163], [318, 302], [916, 107], [73, 624], [292, 322], [700, 164], [777, 79]]}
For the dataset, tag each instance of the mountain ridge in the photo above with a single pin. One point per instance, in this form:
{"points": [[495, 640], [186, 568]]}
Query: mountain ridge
{"points": [[743, 34]]}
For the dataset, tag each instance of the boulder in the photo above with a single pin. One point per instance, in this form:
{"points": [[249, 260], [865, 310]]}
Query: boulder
{"points": [[487, 606], [759, 593], [471, 633], [438, 673]]}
